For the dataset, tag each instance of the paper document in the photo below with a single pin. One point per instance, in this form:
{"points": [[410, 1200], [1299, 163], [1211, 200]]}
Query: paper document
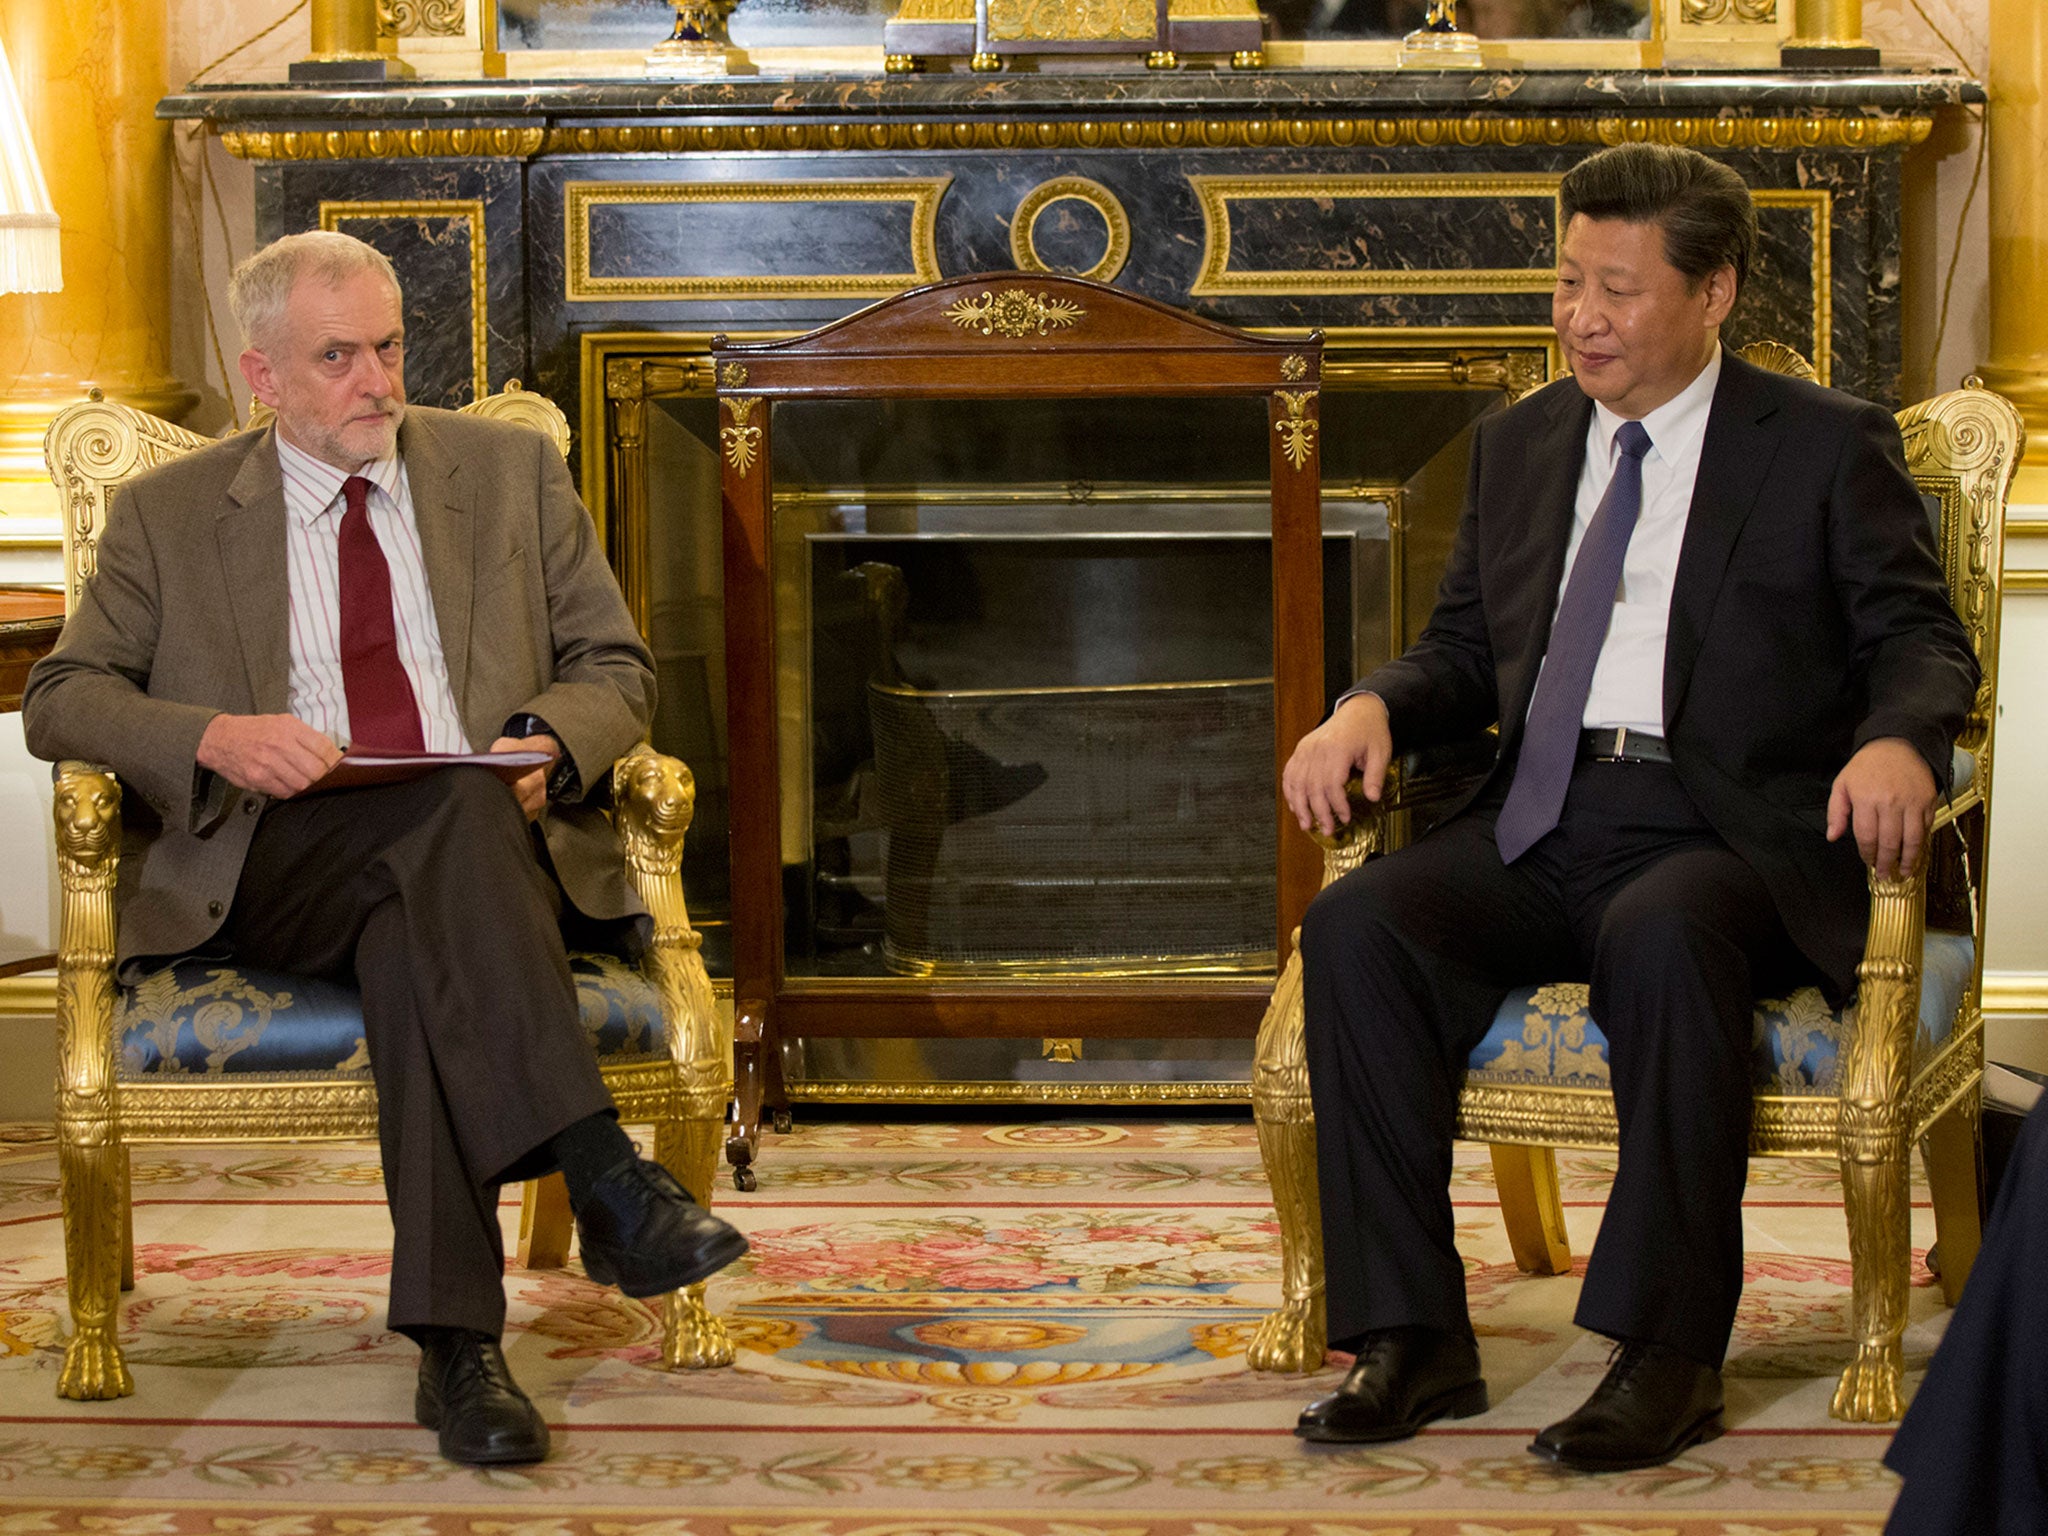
{"points": [[361, 766]]}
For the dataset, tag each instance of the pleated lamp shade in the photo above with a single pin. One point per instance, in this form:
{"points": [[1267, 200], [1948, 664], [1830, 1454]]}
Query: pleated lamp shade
{"points": [[29, 261]]}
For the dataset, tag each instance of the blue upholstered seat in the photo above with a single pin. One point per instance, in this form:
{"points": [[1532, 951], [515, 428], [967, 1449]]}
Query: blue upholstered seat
{"points": [[1544, 1035], [212, 1018]]}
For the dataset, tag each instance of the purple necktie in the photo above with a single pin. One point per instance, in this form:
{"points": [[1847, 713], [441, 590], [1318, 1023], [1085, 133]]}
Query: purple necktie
{"points": [[1550, 739], [382, 711]]}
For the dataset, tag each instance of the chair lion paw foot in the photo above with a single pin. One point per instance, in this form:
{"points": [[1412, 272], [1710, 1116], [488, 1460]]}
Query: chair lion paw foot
{"points": [[1290, 1338], [93, 1369], [1869, 1389], [694, 1340]]}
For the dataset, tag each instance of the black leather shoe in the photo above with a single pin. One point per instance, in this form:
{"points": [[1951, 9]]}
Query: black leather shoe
{"points": [[468, 1397], [1404, 1378], [640, 1230], [1652, 1404]]}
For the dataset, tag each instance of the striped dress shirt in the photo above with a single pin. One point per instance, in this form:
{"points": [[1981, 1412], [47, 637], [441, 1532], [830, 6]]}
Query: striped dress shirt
{"points": [[313, 508]]}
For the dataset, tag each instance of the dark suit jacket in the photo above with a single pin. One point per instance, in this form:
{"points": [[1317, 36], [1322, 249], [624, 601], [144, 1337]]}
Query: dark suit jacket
{"points": [[1808, 616], [187, 616]]}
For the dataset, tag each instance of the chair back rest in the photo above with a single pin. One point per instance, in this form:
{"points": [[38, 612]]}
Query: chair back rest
{"points": [[1963, 449], [93, 446]]}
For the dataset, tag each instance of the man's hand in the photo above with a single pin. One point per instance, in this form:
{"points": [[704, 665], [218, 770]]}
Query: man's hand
{"points": [[532, 790], [1887, 794], [275, 755], [1356, 739]]}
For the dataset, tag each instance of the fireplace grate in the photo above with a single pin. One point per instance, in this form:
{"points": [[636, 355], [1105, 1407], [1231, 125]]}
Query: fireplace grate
{"points": [[1092, 829]]}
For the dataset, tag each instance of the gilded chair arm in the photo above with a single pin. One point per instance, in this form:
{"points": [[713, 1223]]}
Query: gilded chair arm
{"points": [[1873, 1132], [654, 798], [1415, 781]]}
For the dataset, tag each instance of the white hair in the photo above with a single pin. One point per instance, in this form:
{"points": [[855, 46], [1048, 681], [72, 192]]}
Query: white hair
{"points": [[262, 285]]}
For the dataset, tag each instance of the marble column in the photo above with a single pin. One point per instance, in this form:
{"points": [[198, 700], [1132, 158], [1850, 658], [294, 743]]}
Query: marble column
{"points": [[90, 74], [2018, 275]]}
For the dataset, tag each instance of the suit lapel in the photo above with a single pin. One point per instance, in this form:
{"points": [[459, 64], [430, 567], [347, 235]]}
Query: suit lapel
{"points": [[250, 532], [1556, 453], [444, 508], [1735, 457]]}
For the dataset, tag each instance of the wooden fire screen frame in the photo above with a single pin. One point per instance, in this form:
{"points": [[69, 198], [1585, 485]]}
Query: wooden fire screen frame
{"points": [[1004, 335]]}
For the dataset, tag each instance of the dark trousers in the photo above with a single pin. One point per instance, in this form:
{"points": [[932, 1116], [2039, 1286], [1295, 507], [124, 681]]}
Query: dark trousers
{"points": [[1405, 963], [429, 897], [1974, 1447]]}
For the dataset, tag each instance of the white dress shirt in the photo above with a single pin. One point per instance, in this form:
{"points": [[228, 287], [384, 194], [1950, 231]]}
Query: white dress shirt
{"points": [[1628, 679], [313, 508]]}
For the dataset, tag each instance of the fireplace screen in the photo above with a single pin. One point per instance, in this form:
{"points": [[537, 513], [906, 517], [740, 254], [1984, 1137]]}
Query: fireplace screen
{"points": [[1027, 722], [1024, 680]]}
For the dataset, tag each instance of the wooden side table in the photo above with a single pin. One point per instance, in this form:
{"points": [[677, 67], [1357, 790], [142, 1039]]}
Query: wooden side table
{"points": [[30, 620]]}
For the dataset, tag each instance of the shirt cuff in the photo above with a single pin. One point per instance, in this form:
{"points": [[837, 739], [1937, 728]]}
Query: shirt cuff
{"points": [[564, 782]]}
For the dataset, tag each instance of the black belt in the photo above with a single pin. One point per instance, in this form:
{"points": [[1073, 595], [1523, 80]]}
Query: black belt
{"points": [[1619, 744]]}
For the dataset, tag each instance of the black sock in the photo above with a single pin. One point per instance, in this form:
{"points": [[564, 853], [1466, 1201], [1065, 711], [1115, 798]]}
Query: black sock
{"points": [[428, 1335], [588, 1150]]}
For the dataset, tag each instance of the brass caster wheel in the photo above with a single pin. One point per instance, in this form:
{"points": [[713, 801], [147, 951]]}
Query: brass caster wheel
{"points": [[744, 1180], [1165, 58], [986, 63], [900, 64], [784, 1122], [1248, 58]]}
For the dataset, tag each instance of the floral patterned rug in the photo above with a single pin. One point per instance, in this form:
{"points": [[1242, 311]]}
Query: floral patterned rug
{"points": [[946, 1329]]}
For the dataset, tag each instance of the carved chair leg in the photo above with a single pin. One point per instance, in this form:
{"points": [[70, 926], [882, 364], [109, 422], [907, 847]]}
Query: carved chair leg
{"points": [[89, 1180], [1532, 1208], [1955, 1176], [691, 1337], [545, 1223], [1295, 1337], [127, 1189]]}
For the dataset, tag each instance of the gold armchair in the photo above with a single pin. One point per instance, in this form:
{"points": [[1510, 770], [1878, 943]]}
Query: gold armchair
{"points": [[128, 1067], [1904, 1061]]}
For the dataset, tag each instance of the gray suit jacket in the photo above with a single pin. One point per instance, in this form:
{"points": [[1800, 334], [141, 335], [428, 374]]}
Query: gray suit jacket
{"points": [[187, 616]]}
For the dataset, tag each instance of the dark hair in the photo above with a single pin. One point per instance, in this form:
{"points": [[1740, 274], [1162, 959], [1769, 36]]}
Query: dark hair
{"points": [[1702, 206]]}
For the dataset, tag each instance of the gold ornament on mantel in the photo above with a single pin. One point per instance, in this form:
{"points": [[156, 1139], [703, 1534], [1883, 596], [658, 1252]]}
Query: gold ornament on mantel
{"points": [[1440, 43], [698, 48]]}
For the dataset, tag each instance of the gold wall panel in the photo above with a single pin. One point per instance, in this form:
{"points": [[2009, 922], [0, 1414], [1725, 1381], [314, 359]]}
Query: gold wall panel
{"points": [[1216, 194], [1819, 206], [1785, 134], [921, 193], [1024, 223], [468, 211]]}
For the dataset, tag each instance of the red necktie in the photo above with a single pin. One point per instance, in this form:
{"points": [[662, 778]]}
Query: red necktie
{"points": [[381, 709]]}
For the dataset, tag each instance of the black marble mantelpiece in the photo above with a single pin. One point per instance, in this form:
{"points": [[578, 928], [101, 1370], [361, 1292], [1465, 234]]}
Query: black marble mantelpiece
{"points": [[527, 215], [1313, 93]]}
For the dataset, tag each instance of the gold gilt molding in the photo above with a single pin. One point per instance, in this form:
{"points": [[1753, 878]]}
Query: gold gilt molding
{"points": [[1217, 193], [821, 1091], [1819, 206], [1014, 313], [922, 193], [422, 18], [465, 210], [1786, 134], [386, 144], [1024, 224]]}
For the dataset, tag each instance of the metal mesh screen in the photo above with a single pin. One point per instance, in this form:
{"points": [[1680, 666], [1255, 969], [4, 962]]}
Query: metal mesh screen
{"points": [[1077, 828]]}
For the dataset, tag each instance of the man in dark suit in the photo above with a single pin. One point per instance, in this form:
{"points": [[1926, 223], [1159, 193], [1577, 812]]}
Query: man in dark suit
{"points": [[390, 578], [1703, 606]]}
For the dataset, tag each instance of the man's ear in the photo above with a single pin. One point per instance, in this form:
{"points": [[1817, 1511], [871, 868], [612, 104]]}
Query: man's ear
{"points": [[1720, 289], [259, 376]]}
